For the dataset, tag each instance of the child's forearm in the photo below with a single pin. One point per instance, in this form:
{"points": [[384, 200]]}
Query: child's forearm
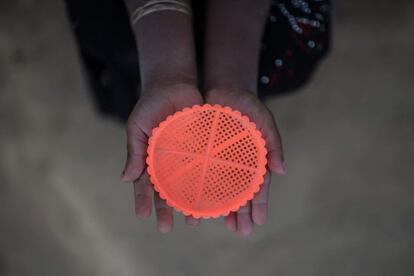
{"points": [[233, 41], [165, 47]]}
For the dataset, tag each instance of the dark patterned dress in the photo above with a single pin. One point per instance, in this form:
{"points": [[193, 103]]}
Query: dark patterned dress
{"points": [[296, 37]]}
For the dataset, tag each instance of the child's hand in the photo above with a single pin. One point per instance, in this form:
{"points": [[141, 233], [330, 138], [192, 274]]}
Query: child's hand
{"points": [[153, 107], [254, 212]]}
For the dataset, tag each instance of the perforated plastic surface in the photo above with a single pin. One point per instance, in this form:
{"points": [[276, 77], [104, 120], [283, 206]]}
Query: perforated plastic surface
{"points": [[206, 161]]}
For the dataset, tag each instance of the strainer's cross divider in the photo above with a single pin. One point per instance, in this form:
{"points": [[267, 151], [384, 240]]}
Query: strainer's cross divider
{"points": [[182, 171], [208, 156], [229, 142], [191, 154], [209, 145]]}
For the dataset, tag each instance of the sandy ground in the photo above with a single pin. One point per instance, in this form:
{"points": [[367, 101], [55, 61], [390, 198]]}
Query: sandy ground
{"points": [[345, 208]]}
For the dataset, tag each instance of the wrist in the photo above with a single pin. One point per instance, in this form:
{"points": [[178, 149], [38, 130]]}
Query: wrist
{"points": [[232, 87], [165, 49], [163, 81], [234, 92], [172, 89], [232, 44]]}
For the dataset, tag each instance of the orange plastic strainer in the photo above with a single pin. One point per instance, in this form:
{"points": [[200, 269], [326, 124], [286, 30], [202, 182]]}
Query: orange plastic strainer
{"points": [[206, 161]]}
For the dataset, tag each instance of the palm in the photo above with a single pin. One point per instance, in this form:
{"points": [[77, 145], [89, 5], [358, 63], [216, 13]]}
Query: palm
{"points": [[153, 107], [247, 103]]}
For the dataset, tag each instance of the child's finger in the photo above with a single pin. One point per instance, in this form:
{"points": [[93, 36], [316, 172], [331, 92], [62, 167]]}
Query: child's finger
{"points": [[165, 216], [146, 115], [244, 220], [136, 152], [231, 222], [143, 196], [273, 144], [260, 202]]}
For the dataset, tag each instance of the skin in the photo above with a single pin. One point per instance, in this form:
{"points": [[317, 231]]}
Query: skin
{"points": [[231, 69], [169, 83]]}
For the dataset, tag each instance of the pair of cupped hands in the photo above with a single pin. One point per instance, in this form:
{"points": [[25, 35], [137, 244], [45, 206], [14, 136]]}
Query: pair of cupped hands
{"points": [[160, 101]]}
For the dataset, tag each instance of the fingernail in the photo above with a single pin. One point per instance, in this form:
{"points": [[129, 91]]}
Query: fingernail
{"points": [[164, 228], [142, 213], [124, 177], [280, 170], [284, 167], [231, 227], [245, 232]]}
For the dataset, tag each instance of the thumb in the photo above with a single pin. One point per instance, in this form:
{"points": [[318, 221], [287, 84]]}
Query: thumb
{"points": [[136, 153], [275, 157], [146, 115]]}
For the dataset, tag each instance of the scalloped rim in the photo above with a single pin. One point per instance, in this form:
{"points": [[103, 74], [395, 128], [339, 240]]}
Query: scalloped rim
{"points": [[214, 214]]}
